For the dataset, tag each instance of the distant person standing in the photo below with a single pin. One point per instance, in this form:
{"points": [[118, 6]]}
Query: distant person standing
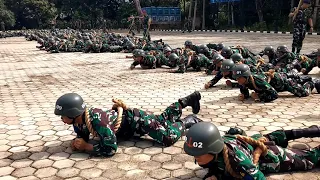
{"points": [[303, 16], [146, 25]]}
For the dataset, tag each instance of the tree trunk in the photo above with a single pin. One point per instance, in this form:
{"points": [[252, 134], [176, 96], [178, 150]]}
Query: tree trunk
{"points": [[138, 7], [194, 15], [204, 14], [190, 9], [259, 10]]}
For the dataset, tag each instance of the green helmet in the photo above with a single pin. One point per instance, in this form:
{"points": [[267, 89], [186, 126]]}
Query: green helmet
{"points": [[139, 53], [268, 50], [203, 138], [226, 52], [241, 70], [227, 65], [217, 58], [236, 57], [173, 57], [166, 49], [188, 43], [203, 49], [282, 49], [220, 46], [70, 105]]}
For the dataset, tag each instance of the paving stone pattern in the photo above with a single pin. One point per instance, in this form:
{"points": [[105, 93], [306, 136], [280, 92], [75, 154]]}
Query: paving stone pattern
{"points": [[34, 143]]}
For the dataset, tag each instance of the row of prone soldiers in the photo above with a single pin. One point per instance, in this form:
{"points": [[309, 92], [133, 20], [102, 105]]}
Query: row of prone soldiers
{"points": [[76, 41], [238, 63]]}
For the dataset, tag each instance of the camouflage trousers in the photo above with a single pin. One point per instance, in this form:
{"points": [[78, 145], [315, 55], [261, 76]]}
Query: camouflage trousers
{"points": [[299, 33], [164, 128], [285, 159], [299, 90], [146, 33]]}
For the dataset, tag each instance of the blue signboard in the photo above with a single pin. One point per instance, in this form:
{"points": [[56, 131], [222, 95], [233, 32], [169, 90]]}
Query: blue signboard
{"points": [[222, 1], [164, 14]]}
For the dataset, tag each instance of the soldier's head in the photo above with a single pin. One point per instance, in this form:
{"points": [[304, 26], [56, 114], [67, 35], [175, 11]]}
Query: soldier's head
{"points": [[306, 4], [217, 59], [241, 72], [226, 67], [204, 49], [269, 51], [188, 44], [282, 50], [70, 107], [237, 58], [167, 51], [138, 55], [203, 142], [173, 58], [226, 52], [220, 46]]}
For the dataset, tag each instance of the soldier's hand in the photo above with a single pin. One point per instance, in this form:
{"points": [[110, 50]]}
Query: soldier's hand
{"points": [[241, 97], [229, 83], [311, 29], [80, 144], [303, 70], [212, 178], [207, 85], [131, 67], [72, 145], [255, 96]]}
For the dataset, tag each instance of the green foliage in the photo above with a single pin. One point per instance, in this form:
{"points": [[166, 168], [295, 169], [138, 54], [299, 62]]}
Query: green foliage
{"points": [[6, 16]]}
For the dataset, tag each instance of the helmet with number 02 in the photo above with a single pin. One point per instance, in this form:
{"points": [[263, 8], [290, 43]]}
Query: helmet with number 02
{"points": [[70, 105], [227, 65], [241, 70], [203, 138]]}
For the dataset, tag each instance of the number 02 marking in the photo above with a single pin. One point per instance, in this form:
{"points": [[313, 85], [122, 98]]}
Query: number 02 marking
{"points": [[197, 144]]}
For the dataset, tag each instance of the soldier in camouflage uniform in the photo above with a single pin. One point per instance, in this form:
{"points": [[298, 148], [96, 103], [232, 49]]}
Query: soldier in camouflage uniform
{"points": [[121, 121], [225, 71], [237, 156], [263, 90], [145, 61], [270, 52], [306, 64], [285, 60], [304, 16]]}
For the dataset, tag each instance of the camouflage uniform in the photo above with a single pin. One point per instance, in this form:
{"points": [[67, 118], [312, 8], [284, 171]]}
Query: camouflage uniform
{"points": [[278, 159], [284, 62], [148, 62], [307, 63], [265, 91], [161, 128], [281, 82], [299, 28], [199, 61]]}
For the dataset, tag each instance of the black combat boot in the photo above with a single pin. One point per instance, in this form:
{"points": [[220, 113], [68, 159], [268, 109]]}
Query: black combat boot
{"points": [[190, 120], [312, 131], [317, 85], [192, 100]]}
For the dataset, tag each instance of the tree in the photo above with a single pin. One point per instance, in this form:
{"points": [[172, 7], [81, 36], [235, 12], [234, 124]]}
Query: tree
{"points": [[6, 15]]}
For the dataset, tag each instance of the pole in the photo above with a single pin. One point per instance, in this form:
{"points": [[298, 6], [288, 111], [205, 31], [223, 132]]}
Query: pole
{"points": [[194, 15], [204, 14]]}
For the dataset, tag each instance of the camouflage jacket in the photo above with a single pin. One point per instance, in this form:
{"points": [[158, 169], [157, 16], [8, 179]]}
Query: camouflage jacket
{"points": [[102, 122], [307, 63], [264, 90], [148, 62], [303, 16]]}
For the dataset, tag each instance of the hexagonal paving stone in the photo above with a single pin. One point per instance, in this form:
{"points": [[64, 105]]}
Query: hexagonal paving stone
{"points": [[113, 173], [144, 144], [63, 164], [39, 155], [127, 166], [152, 150], [68, 172], [126, 144], [20, 155], [29, 178], [19, 149], [120, 157], [191, 165], [106, 164], [4, 148], [141, 157], [7, 178], [181, 158], [201, 173], [160, 173], [6, 171], [5, 162], [172, 150], [45, 172], [161, 157], [35, 143], [183, 173], [85, 164], [132, 150], [149, 165], [22, 172], [59, 156], [79, 156], [91, 173], [42, 163], [171, 166], [136, 174], [32, 138], [21, 163]]}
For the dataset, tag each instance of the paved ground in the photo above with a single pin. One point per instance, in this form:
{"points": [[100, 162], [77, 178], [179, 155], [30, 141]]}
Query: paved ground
{"points": [[35, 143]]}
